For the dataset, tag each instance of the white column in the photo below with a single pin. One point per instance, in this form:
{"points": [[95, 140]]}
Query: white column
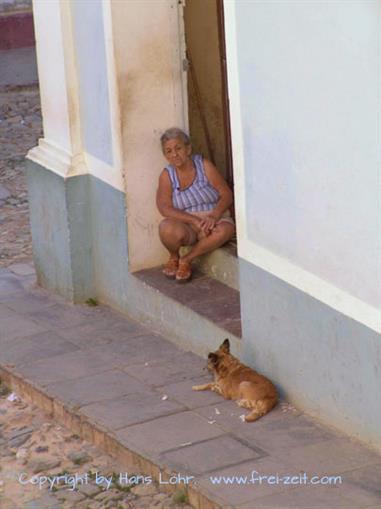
{"points": [[60, 148]]}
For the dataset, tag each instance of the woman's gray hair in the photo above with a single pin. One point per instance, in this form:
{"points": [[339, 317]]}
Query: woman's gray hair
{"points": [[173, 133]]}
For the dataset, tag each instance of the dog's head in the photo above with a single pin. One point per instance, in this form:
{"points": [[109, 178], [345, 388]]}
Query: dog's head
{"points": [[219, 360]]}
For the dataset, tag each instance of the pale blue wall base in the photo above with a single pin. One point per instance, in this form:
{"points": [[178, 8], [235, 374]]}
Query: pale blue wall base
{"points": [[79, 235], [323, 361]]}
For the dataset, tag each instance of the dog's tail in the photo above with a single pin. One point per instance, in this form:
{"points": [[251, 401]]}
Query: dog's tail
{"points": [[262, 406]]}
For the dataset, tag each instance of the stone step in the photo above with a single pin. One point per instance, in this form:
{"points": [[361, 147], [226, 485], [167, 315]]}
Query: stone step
{"points": [[197, 315], [220, 264]]}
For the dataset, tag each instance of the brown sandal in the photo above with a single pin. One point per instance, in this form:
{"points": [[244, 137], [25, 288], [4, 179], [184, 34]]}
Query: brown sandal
{"points": [[184, 272], [170, 268]]}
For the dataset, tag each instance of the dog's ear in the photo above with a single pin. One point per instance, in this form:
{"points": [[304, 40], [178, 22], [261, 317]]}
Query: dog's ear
{"points": [[225, 347], [213, 357]]}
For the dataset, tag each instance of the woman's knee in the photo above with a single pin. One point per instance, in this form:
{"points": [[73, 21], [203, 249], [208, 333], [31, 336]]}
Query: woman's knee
{"points": [[224, 231], [171, 228]]}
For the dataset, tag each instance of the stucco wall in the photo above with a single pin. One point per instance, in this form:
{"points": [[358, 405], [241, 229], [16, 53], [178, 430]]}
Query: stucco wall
{"points": [[308, 79], [149, 73]]}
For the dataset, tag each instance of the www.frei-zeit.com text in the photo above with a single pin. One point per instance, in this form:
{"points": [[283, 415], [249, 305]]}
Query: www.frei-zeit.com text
{"points": [[254, 478]]}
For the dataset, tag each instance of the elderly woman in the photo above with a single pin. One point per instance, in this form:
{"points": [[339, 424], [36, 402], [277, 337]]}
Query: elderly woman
{"points": [[195, 201]]}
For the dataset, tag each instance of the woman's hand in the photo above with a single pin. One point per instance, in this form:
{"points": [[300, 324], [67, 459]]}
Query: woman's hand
{"points": [[198, 225], [208, 223]]}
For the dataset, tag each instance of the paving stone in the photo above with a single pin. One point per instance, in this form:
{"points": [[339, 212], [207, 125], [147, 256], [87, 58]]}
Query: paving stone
{"points": [[59, 316], [90, 490], [183, 393], [20, 440], [41, 448], [244, 491], [70, 495], [9, 284], [27, 302], [102, 331], [317, 497], [89, 504], [43, 464], [24, 430], [15, 325], [33, 504], [22, 269], [4, 193], [182, 366], [99, 387], [7, 503], [210, 455], [67, 366], [133, 408], [363, 485], [144, 489], [79, 457], [138, 350], [166, 433], [331, 457], [227, 415], [281, 432], [39, 346]]}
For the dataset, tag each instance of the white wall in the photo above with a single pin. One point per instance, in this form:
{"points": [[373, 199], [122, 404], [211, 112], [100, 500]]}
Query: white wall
{"points": [[308, 79], [92, 78]]}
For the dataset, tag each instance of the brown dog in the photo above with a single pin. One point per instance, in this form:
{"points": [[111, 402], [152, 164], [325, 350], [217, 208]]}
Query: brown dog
{"points": [[234, 380]]}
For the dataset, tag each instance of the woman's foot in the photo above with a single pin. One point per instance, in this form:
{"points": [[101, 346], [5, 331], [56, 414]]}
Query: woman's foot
{"points": [[184, 272], [171, 267]]}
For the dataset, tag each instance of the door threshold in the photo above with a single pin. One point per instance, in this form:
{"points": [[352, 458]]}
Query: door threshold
{"points": [[203, 295]]}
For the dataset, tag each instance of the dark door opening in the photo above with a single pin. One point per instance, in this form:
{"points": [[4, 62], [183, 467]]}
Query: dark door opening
{"points": [[208, 102]]}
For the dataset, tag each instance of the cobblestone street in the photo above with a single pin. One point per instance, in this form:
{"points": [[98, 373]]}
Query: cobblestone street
{"points": [[20, 128], [33, 447]]}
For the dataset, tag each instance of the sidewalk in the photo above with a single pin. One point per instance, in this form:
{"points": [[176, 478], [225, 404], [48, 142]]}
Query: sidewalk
{"points": [[128, 390]]}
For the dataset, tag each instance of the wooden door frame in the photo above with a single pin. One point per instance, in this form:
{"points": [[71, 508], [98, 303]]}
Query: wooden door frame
{"points": [[225, 94]]}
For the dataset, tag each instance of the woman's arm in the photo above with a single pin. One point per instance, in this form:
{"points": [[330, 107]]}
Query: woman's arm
{"points": [[164, 203], [226, 196], [219, 183]]}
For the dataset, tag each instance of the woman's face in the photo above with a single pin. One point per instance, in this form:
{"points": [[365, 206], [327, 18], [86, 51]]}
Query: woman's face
{"points": [[176, 152]]}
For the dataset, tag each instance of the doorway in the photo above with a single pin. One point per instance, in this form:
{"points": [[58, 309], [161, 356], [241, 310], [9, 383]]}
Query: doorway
{"points": [[208, 104]]}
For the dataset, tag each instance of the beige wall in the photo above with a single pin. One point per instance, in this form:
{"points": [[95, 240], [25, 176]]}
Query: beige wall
{"points": [[150, 87]]}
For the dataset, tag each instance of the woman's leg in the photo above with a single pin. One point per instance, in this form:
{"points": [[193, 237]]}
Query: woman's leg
{"points": [[223, 232], [174, 234]]}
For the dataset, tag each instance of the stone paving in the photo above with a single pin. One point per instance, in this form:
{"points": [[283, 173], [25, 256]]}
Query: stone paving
{"points": [[33, 448], [116, 376]]}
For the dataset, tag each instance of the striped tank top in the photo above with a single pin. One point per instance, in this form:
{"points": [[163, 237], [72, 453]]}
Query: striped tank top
{"points": [[199, 196]]}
